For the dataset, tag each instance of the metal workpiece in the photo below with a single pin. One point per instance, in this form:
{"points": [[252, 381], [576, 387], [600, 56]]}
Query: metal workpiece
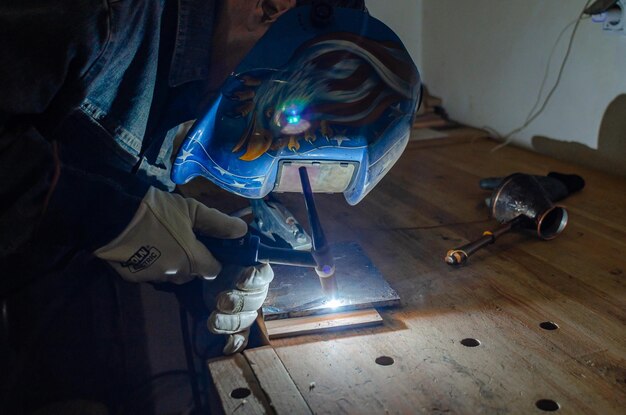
{"points": [[297, 291]]}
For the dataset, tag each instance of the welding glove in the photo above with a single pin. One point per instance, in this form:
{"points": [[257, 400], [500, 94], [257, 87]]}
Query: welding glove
{"points": [[160, 245], [237, 307]]}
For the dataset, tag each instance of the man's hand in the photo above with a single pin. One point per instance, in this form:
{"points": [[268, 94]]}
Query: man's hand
{"points": [[237, 307], [159, 244]]}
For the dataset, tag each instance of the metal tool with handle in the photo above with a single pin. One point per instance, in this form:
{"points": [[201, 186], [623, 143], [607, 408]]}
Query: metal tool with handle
{"points": [[460, 255], [520, 201], [248, 250]]}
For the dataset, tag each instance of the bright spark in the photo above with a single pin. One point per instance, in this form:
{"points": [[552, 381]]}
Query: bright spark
{"points": [[333, 303]]}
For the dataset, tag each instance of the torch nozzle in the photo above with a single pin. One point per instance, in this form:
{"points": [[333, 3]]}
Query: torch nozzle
{"points": [[328, 281]]}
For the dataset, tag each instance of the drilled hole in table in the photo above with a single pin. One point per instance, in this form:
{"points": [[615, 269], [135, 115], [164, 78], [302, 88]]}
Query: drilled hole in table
{"points": [[470, 342], [547, 405], [384, 360], [240, 393], [548, 325]]}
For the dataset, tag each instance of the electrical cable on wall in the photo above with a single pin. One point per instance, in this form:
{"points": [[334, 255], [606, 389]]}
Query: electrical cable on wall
{"points": [[534, 113]]}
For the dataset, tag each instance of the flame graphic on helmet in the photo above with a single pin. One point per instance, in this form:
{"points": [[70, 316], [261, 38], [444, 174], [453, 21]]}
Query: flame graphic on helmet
{"points": [[331, 83]]}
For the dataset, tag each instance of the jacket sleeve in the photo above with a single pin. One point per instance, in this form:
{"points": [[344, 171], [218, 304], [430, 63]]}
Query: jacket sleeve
{"points": [[48, 50]]}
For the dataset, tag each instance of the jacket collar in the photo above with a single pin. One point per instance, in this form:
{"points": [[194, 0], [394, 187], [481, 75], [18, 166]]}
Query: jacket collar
{"points": [[192, 48]]}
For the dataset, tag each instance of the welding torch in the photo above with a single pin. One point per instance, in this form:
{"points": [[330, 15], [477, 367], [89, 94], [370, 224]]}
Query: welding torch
{"points": [[325, 264], [248, 250]]}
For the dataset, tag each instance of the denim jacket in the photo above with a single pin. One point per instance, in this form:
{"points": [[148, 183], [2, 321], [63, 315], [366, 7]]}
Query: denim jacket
{"points": [[88, 113]]}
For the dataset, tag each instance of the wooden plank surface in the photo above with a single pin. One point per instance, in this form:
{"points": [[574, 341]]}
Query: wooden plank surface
{"points": [[429, 203], [273, 378], [320, 323], [237, 387]]}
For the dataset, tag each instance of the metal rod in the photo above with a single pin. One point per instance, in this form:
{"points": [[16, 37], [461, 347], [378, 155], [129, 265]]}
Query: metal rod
{"points": [[460, 255], [285, 256]]}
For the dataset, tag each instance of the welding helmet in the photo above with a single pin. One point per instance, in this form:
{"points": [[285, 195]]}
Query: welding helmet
{"points": [[335, 92]]}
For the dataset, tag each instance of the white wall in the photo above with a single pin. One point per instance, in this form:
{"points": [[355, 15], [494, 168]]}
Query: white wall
{"points": [[486, 59], [405, 18]]}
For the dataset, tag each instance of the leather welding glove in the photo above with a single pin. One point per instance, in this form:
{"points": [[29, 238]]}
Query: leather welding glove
{"points": [[238, 307], [160, 245]]}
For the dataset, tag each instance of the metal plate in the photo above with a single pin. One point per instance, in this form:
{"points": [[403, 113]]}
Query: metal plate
{"points": [[297, 292]]}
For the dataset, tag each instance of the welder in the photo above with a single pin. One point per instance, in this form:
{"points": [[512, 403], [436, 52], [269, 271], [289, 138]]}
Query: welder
{"points": [[91, 98]]}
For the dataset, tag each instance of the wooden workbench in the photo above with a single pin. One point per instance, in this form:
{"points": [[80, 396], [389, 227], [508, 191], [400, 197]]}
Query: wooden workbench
{"points": [[428, 203]]}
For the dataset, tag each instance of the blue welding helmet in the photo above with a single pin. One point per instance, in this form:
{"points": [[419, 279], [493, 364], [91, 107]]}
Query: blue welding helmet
{"points": [[338, 98]]}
